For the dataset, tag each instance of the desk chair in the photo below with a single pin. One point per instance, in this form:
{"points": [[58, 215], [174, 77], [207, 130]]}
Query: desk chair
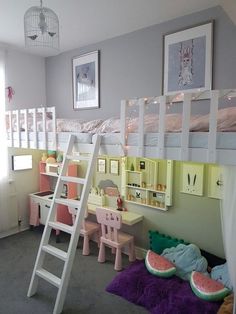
{"points": [[111, 222], [88, 229]]}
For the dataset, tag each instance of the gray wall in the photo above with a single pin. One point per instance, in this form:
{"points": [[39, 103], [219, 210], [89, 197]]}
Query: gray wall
{"points": [[131, 65], [25, 73]]}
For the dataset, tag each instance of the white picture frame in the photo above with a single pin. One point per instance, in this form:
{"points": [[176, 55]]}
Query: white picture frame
{"points": [[86, 81], [101, 165], [114, 166], [187, 64], [215, 182], [192, 178]]}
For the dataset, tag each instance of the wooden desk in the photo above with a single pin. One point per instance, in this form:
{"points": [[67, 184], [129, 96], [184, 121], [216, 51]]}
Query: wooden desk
{"points": [[128, 218]]}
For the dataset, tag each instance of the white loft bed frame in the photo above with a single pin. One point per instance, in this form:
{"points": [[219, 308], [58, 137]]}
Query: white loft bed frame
{"points": [[209, 154]]}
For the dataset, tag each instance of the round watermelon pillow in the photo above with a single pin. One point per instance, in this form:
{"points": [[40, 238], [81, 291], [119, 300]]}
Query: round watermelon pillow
{"points": [[159, 265], [206, 288]]}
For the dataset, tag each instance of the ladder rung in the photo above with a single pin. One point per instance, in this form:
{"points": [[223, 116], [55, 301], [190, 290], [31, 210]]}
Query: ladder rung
{"points": [[73, 179], [60, 226], [55, 252], [78, 157], [68, 202], [46, 275]]}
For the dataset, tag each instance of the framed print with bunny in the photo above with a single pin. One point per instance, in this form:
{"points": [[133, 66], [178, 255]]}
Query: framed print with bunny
{"points": [[192, 178], [187, 55]]}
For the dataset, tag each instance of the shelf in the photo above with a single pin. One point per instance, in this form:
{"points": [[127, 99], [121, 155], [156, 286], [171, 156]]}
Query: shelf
{"points": [[147, 205], [51, 174], [145, 189], [133, 171]]}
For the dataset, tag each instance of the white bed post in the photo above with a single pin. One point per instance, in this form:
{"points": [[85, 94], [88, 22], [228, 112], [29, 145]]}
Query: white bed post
{"points": [[18, 127], [25, 112], [11, 129], [185, 126], [161, 136], [141, 127], [123, 126], [44, 127], [35, 129], [54, 128], [213, 126]]}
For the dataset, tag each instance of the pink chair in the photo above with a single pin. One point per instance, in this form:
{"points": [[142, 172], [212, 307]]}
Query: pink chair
{"points": [[88, 229], [111, 222]]}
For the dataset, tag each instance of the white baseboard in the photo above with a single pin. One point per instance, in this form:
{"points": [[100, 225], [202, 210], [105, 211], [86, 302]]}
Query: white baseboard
{"points": [[12, 231]]}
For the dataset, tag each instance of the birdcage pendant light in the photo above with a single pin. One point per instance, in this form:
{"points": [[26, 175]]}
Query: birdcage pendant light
{"points": [[41, 26]]}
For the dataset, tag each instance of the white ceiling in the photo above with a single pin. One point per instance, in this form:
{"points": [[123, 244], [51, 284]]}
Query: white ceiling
{"points": [[83, 22]]}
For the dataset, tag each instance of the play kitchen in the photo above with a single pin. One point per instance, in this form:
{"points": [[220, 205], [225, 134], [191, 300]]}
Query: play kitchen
{"points": [[40, 201]]}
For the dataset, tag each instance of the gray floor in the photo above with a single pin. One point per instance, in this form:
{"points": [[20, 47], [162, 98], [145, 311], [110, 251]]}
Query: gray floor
{"points": [[86, 292]]}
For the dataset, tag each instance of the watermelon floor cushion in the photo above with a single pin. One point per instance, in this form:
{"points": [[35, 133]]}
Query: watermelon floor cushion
{"points": [[206, 288], [159, 265]]}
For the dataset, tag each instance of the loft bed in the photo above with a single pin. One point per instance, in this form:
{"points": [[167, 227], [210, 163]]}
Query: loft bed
{"points": [[162, 127]]}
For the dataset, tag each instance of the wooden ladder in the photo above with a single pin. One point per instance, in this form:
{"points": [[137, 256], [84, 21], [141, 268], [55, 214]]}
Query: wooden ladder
{"points": [[74, 231]]}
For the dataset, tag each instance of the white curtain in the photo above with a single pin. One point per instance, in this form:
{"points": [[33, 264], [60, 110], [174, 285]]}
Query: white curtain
{"points": [[228, 219], [4, 195]]}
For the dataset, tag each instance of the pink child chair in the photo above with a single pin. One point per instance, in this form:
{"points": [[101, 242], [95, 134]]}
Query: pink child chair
{"points": [[88, 229], [111, 222]]}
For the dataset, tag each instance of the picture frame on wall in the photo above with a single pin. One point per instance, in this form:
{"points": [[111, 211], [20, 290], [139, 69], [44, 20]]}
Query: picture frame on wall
{"points": [[101, 165], [187, 60], [114, 166], [86, 81], [192, 178]]}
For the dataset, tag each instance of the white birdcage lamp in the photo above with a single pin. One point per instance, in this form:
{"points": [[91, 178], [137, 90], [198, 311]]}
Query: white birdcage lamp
{"points": [[41, 26]]}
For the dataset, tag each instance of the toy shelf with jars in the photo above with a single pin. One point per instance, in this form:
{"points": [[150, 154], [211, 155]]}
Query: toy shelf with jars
{"points": [[148, 182]]}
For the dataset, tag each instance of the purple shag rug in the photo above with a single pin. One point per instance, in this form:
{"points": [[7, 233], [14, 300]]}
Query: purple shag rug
{"points": [[158, 295]]}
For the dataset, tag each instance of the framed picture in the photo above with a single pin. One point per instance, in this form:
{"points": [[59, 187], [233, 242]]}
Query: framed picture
{"points": [[101, 165], [86, 81], [187, 55], [192, 178], [114, 166], [215, 182]]}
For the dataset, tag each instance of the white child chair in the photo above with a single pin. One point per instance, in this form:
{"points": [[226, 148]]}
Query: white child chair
{"points": [[88, 229], [111, 222]]}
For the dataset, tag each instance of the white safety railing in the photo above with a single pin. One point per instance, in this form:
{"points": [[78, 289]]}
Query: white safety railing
{"points": [[23, 128], [210, 154]]}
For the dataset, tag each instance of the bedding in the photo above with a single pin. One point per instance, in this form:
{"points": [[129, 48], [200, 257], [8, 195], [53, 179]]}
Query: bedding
{"points": [[226, 122]]}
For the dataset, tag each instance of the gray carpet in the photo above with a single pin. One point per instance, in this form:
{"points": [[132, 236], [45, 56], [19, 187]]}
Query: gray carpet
{"points": [[86, 292]]}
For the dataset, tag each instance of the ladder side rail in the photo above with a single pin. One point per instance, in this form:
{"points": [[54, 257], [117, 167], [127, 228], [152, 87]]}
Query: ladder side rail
{"points": [[161, 131], [214, 103], [141, 106], [47, 230], [123, 124], [185, 126], [77, 225]]}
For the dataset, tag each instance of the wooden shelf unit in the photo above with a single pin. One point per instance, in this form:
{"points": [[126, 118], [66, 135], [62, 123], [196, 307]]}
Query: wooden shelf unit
{"points": [[143, 186]]}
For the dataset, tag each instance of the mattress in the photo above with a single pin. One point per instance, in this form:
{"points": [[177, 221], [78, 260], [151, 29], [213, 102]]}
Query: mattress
{"points": [[226, 122]]}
